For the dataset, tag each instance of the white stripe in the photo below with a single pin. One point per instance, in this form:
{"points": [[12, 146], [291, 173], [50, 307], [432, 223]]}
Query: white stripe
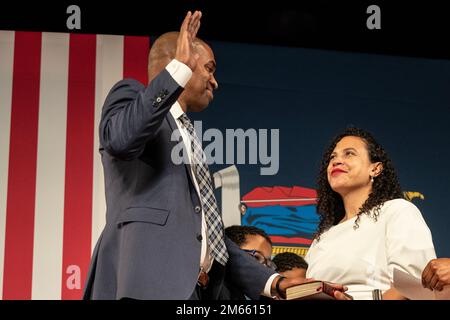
{"points": [[6, 77], [49, 211], [109, 70]]}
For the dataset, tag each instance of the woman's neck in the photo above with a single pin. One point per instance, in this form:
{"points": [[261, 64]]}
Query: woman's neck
{"points": [[353, 201]]}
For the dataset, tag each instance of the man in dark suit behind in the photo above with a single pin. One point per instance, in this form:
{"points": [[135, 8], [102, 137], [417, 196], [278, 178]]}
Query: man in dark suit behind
{"points": [[163, 237]]}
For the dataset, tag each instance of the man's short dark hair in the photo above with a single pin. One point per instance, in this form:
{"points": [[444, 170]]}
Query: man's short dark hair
{"points": [[238, 234], [286, 261]]}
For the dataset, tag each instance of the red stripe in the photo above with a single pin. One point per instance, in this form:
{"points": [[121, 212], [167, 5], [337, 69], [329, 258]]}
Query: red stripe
{"points": [[277, 240], [280, 203], [19, 235], [79, 164], [135, 58]]}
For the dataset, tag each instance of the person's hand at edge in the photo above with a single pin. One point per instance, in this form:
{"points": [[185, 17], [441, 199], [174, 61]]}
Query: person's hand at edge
{"points": [[436, 274]]}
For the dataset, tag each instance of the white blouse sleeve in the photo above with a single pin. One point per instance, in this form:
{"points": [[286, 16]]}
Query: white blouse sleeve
{"points": [[409, 244]]}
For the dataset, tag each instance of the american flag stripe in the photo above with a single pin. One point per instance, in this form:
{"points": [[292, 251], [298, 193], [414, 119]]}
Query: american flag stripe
{"points": [[79, 161], [51, 159], [135, 58], [52, 204], [22, 167], [6, 77]]}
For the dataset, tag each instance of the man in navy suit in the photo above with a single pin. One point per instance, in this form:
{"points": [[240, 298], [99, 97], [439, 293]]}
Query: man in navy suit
{"points": [[163, 237]]}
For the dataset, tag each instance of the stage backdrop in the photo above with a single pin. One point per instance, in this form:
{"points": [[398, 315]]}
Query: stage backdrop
{"points": [[52, 87]]}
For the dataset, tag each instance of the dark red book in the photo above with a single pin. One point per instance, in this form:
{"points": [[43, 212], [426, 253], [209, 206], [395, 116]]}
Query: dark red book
{"points": [[318, 290]]}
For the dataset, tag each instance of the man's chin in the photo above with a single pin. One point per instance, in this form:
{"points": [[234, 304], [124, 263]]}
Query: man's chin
{"points": [[199, 107]]}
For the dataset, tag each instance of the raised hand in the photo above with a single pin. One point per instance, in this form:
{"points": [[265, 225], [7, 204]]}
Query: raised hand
{"points": [[185, 52]]}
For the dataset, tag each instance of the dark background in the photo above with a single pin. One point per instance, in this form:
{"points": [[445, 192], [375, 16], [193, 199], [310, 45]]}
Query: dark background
{"points": [[409, 28]]}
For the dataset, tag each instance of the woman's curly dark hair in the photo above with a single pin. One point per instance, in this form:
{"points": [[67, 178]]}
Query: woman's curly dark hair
{"points": [[330, 206]]}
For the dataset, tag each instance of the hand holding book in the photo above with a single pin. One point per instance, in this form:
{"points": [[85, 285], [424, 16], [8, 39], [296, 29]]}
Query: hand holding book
{"points": [[299, 288], [317, 290]]}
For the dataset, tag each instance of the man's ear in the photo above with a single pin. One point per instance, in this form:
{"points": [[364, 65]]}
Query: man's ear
{"points": [[377, 168]]}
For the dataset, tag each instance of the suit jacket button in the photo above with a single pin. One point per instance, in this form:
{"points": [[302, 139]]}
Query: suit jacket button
{"points": [[197, 209], [199, 237]]}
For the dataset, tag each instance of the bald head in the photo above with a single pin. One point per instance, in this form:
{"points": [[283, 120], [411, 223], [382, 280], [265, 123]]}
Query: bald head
{"points": [[163, 51]]}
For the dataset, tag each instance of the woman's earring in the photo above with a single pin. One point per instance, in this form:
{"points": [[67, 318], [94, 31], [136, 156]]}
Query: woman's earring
{"points": [[371, 179]]}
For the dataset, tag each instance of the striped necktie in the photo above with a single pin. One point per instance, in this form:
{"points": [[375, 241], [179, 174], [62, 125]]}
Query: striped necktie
{"points": [[213, 218]]}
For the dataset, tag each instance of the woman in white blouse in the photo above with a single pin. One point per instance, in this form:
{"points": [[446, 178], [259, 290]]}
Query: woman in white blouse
{"points": [[366, 228]]}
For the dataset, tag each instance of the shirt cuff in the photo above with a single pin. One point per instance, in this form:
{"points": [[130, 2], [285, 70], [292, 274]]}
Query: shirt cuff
{"points": [[269, 285], [180, 72]]}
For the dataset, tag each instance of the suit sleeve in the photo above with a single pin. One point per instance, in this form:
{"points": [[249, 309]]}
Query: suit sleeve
{"points": [[246, 273], [132, 114]]}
